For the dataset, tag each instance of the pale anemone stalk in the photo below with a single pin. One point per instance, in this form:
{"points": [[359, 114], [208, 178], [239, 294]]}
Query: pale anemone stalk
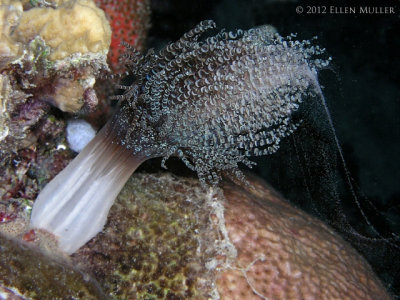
{"points": [[213, 102]]}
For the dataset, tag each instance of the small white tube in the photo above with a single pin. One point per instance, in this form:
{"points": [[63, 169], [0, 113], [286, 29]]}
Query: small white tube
{"points": [[75, 204]]}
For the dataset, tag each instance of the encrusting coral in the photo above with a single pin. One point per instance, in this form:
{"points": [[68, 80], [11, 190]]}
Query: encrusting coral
{"points": [[130, 21], [212, 102]]}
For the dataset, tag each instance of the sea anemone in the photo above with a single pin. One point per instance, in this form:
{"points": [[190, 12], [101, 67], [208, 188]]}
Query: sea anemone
{"points": [[213, 102]]}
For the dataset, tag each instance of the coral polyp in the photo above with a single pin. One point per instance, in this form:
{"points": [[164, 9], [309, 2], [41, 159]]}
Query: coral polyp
{"points": [[213, 102]]}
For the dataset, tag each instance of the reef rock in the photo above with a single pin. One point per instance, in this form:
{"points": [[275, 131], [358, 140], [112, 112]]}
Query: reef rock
{"points": [[51, 54], [28, 274], [167, 237]]}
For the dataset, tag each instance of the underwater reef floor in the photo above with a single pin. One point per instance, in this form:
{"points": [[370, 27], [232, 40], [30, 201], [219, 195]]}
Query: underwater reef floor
{"points": [[166, 237]]}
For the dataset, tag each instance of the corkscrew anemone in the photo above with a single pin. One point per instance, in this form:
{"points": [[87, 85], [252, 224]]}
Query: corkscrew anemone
{"points": [[213, 102]]}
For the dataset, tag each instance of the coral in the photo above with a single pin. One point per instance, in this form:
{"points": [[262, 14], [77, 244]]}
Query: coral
{"points": [[238, 91], [167, 228], [28, 274], [55, 52], [168, 238], [37, 72], [283, 253], [171, 245], [88, 30], [10, 13], [129, 20]]}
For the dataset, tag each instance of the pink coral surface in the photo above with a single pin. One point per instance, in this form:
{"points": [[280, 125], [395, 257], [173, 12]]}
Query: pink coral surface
{"points": [[283, 253]]}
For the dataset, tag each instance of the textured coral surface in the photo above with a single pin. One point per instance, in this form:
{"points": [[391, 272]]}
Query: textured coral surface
{"points": [[157, 242], [168, 238], [57, 27], [130, 21], [28, 274], [287, 254]]}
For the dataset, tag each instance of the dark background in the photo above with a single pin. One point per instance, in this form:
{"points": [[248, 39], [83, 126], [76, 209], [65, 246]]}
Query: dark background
{"points": [[362, 90]]}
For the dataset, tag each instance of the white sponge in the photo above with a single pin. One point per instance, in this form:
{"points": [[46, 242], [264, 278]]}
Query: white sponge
{"points": [[79, 134]]}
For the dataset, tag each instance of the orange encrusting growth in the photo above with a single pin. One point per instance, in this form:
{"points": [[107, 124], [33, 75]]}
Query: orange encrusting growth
{"points": [[129, 20]]}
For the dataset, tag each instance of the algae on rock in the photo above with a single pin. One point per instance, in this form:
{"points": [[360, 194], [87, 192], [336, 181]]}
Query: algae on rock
{"points": [[28, 274]]}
